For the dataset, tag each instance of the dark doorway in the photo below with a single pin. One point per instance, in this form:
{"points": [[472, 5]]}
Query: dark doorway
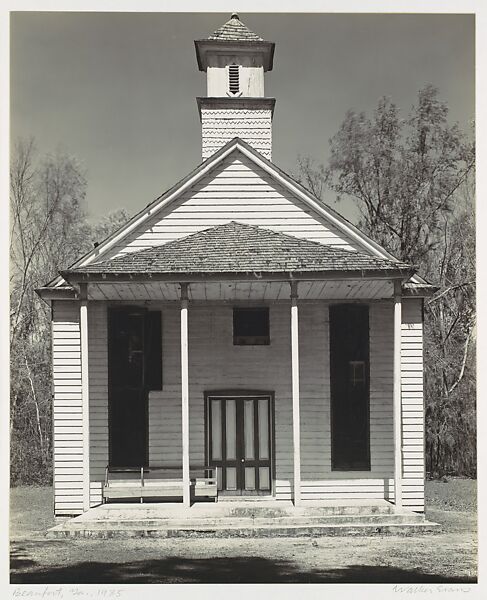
{"points": [[134, 367], [349, 381], [239, 436]]}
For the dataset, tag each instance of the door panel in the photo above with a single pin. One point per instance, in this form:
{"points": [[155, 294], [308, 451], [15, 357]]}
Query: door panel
{"points": [[239, 441], [128, 427]]}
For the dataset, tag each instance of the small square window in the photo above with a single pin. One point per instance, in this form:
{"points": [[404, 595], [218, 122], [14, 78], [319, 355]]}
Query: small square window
{"points": [[251, 326]]}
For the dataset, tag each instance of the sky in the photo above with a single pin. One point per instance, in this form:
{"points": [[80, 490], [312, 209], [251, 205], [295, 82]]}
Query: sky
{"points": [[117, 90]]}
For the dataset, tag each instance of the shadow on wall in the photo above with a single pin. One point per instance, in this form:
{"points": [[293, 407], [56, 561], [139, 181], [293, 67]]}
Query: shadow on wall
{"points": [[211, 570]]}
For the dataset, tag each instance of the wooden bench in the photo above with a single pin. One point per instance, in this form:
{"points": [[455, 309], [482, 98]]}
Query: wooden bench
{"points": [[155, 482]]}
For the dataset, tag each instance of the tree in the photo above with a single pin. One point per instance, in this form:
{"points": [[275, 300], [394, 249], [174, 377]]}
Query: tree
{"points": [[412, 179], [48, 228], [450, 345], [403, 173], [108, 224], [49, 231]]}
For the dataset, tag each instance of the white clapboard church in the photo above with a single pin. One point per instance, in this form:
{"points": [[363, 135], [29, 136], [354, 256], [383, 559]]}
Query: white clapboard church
{"points": [[237, 337]]}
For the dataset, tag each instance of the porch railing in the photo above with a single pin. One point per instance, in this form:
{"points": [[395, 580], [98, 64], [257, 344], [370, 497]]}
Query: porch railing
{"points": [[154, 481]]}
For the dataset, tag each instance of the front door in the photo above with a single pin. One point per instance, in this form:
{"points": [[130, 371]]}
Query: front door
{"points": [[239, 432], [127, 393], [349, 383]]}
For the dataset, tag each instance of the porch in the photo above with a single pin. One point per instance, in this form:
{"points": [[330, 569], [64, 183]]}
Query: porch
{"points": [[262, 412]]}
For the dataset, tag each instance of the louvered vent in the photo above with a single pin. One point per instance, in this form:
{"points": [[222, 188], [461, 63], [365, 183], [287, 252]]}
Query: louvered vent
{"points": [[233, 79]]}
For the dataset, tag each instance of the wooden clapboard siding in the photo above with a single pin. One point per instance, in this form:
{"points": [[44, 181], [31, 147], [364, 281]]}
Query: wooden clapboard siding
{"points": [[239, 190], [381, 328], [98, 362], [314, 378], [319, 482], [215, 364], [412, 403], [67, 409]]}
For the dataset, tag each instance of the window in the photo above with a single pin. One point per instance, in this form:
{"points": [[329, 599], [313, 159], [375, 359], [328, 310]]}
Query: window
{"points": [[251, 326], [233, 79]]}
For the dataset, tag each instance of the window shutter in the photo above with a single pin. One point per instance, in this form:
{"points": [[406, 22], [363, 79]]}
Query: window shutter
{"points": [[153, 350]]}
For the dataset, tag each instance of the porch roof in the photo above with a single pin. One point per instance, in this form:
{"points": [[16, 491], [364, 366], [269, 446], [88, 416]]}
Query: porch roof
{"points": [[237, 248]]}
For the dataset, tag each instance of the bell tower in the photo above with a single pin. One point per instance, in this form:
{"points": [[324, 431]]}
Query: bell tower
{"points": [[235, 60]]}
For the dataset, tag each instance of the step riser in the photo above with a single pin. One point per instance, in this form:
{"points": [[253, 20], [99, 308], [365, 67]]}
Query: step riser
{"points": [[405, 529], [284, 522], [311, 512], [275, 513]]}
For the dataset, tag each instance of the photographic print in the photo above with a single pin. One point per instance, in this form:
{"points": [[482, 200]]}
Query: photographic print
{"points": [[242, 298]]}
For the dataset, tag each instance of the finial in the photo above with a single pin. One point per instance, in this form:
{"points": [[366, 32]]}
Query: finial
{"points": [[235, 16]]}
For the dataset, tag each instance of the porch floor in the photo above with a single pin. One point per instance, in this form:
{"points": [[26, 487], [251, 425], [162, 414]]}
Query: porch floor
{"points": [[256, 518]]}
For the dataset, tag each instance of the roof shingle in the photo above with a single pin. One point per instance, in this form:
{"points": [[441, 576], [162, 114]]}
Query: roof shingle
{"points": [[235, 31], [240, 248]]}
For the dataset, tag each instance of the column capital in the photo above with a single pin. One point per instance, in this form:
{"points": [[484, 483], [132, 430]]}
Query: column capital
{"points": [[184, 291], [83, 291]]}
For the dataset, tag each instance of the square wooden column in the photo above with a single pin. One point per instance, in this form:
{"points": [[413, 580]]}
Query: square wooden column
{"points": [[185, 393], [397, 411], [85, 392], [295, 393]]}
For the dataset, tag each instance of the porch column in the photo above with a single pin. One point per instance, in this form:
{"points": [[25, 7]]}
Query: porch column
{"points": [[295, 392], [85, 392], [397, 396], [185, 393]]}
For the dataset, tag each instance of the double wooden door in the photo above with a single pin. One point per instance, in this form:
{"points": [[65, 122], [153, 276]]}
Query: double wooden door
{"points": [[239, 441]]}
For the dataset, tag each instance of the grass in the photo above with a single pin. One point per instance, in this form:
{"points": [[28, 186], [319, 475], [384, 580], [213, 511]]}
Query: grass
{"points": [[455, 493], [446, 556], [31, 510]]}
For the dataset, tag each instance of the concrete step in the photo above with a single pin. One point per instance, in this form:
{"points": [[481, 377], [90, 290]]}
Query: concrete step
{"points": [[249, 510], [303, 521], [235, 530], [317, 511]]}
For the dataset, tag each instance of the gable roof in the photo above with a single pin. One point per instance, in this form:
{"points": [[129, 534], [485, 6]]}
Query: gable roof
{"points": [[234, 145], [235, 31], [240, 248]]}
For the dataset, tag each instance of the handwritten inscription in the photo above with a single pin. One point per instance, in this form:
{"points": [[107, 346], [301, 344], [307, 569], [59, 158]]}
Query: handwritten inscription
{"points": [[50, 593], [430, 589]]}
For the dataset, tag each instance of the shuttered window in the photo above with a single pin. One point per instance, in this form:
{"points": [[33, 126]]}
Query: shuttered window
{"points": [[233, 79]]}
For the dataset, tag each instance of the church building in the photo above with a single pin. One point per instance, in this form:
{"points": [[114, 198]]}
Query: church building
{"points": [[237, 338]]}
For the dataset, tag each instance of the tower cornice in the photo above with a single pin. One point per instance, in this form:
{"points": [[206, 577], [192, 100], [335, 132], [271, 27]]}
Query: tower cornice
{"points": [[229, 103], [261, 49]]}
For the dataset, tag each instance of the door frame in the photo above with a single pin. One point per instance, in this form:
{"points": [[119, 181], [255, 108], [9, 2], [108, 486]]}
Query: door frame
{"points": [[232, 393]]}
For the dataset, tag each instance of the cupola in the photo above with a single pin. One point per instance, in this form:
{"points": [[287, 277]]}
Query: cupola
{"points": [[235, 60]]}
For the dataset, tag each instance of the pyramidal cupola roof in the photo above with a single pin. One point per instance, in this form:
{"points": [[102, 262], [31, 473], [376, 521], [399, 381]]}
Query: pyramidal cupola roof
{"points": [[236, 40], [235, 31]]}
